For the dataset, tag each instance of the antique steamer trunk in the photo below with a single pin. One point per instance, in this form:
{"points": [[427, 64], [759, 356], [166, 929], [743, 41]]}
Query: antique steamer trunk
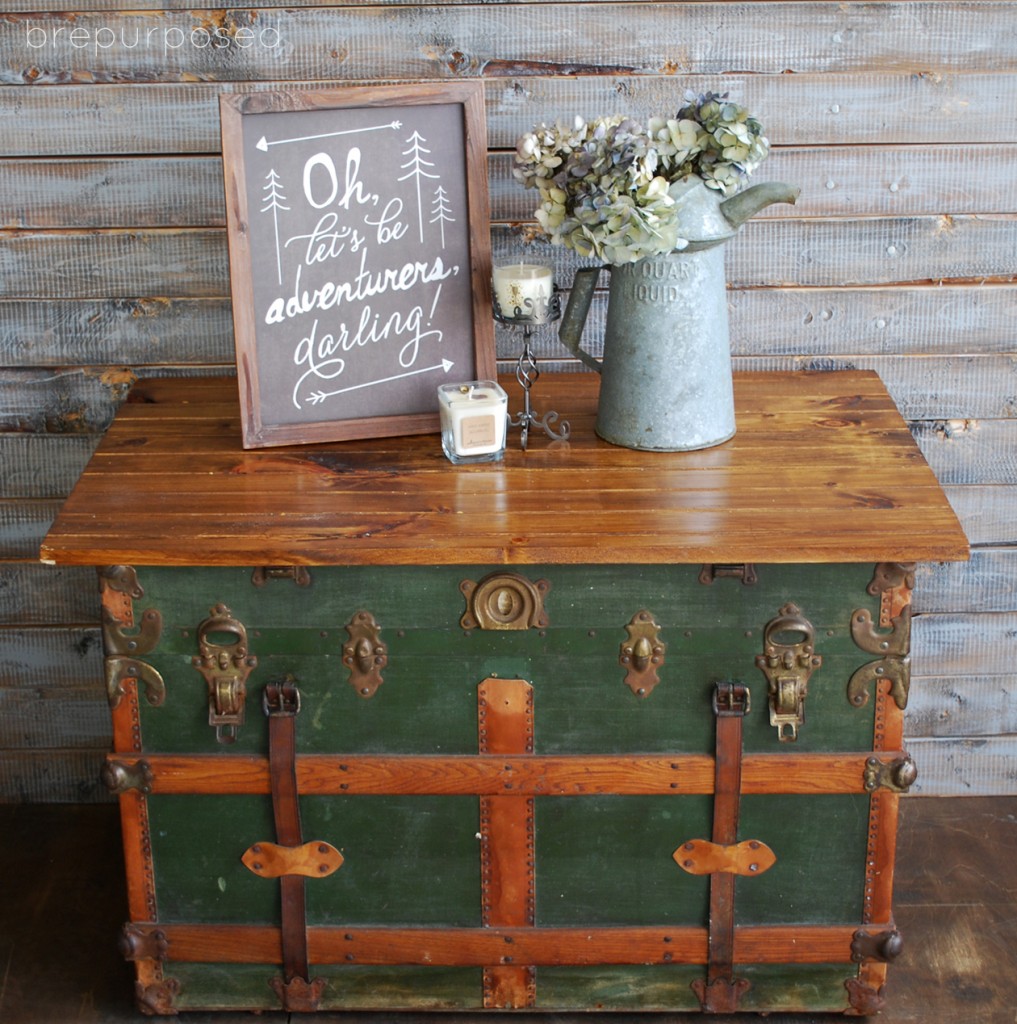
{"points": [[587, 729]]}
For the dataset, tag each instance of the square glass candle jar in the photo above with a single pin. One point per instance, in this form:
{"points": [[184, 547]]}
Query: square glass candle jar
{"points": [[474, 419]]}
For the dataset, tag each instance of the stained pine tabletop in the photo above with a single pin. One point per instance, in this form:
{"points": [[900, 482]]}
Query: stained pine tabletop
{"points": [[822, 469]]}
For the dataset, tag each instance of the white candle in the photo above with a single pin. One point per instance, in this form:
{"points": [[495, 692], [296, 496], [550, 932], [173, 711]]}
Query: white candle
{"points": [[474, 417], [523, 289]]}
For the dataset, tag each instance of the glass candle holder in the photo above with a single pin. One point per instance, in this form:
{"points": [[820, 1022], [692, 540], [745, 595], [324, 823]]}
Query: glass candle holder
{"points": [[474, 418], [523, 290]]}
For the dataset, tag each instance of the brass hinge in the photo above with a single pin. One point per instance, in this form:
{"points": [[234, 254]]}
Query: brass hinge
{"points": [[895, 663], [892, 583], [300, 574], [121, 671], [124, 642], [744, 571]]}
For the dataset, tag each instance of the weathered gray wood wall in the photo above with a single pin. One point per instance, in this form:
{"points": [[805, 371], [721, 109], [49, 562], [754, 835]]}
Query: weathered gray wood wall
{"points": [[895, 118]]}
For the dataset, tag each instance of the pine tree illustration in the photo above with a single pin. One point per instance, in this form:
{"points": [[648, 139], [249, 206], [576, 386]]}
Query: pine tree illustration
{"points": [[441, 212], [415, 169], [274, 202]]}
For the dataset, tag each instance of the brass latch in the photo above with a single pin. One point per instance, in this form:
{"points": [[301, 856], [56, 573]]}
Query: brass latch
{"points": [[787, 661], [225, 662]]}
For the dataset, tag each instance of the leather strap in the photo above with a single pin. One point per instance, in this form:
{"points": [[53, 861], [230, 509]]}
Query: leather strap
{"points": [[282, 703], [722, 991]]}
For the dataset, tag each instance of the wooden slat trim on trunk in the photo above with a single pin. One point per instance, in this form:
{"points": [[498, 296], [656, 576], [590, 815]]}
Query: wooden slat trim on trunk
{"points": [[507, 875], [511, 775], [482, 947]]}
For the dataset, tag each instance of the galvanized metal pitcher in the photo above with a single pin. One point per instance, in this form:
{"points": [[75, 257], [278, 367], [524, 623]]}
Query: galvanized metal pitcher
{"points": [[666, 372]]}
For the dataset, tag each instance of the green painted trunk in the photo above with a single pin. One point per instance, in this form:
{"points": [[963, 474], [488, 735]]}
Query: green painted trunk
{"points": [[599, 860]]}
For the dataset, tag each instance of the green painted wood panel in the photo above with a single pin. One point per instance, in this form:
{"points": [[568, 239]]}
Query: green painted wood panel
{"points": [[408, 860], [427, 703]]}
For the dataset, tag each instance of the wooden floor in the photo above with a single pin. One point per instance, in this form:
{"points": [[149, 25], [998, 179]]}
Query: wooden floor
{"points": [[62, 904]]}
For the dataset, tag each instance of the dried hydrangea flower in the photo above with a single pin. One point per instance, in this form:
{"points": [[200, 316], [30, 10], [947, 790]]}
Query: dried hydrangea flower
{"points": [[604, 184]]}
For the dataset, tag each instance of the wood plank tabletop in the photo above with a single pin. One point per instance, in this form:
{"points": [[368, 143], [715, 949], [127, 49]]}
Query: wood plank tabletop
{"points": [[822, 469]]}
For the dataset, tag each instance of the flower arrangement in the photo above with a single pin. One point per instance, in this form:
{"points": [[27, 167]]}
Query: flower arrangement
{"points": [[610, 187]]}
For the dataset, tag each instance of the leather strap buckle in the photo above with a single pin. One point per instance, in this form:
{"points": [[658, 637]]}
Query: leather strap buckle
{"points": [[731, 700], [281, 699]]}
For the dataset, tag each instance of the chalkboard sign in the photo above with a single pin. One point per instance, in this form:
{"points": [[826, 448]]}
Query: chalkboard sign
{"points": [[359, 243]]}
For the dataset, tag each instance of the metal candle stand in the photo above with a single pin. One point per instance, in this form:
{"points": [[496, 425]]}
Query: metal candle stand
{"points": [[533, 313]]}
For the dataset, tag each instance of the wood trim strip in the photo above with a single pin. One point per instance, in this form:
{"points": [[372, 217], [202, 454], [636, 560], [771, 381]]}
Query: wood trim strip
{"points": [[139, 870], [480, 947], [515, 774], [880, 857], [508, 882]]}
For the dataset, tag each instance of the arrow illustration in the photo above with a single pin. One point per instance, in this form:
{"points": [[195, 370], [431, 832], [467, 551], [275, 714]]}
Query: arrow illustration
{"points": [[263, 143], [319, 396]]}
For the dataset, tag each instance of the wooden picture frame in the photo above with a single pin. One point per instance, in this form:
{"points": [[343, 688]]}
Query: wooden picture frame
{"points": [[359, 241]]}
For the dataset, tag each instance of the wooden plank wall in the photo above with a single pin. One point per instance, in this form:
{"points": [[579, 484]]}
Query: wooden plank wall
{"points": [[895, 118]]}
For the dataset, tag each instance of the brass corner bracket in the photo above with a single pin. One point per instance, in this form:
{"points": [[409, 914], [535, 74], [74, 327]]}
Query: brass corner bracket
{"points": [[897, 776], [120, 776], [882, 946]]}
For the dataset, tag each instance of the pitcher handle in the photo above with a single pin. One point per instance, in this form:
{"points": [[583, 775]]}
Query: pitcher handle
{"points": [[576, 310]]}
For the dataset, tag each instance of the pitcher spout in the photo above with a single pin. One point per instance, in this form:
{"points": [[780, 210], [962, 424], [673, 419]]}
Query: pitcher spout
{"points": [[737, 209]]}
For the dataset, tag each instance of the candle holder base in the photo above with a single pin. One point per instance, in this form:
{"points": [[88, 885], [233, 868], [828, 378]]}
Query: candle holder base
{"points": [[535, 314], [527, 374]]}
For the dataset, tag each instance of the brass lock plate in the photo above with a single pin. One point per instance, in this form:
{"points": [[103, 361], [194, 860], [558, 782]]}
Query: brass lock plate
{"points": [[504, 600], [365, 654], [642, 653]]}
